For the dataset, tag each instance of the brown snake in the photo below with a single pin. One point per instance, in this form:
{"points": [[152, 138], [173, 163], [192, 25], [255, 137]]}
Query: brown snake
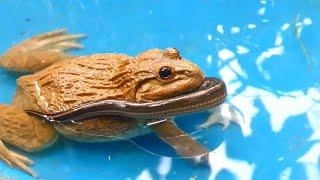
{"points": [[211, 93]]}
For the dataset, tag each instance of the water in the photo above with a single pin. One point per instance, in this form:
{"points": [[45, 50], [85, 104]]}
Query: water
{"points": [[266, 51]]}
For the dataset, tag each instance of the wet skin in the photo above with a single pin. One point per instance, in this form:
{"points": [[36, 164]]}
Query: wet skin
{"points": [[92, 89]]}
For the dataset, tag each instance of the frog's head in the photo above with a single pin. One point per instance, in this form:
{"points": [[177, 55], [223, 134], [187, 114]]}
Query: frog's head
{"points": [[164, 74]]}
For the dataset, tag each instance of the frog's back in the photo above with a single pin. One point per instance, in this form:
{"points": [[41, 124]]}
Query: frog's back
{"points": [[72, 82]]}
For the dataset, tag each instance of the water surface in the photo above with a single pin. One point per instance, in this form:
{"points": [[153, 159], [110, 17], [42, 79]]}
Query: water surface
{"points": [[266, 51]]}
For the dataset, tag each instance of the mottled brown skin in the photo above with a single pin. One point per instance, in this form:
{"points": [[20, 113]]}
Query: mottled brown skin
{"points": [[67, 82], [72, 82]]}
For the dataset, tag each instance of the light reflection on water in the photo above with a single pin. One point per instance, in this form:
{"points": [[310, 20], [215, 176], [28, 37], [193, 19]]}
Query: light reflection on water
{"points": [[268, 59], [280, 105]]}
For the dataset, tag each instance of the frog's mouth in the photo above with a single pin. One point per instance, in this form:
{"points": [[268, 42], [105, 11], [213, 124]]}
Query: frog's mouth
{"points": [[211, 93]]}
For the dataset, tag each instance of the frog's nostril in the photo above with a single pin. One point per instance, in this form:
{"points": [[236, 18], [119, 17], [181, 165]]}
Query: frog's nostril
{"points": [[172, 53], [177, 51], [172, 50]]}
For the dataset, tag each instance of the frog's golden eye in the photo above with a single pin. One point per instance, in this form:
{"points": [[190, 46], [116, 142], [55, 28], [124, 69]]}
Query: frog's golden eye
{"points": [[165, 72]]}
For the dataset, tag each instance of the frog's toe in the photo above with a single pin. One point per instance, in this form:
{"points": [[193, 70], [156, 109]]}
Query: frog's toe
{"points": [[68, 45], [65, 37], [223, 114], [16, 160], [61, 42], [215, 118], [54, 33], [23, 158]]}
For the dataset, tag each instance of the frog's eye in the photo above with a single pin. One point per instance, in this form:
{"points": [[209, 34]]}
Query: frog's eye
{"points": [[165, 72]]}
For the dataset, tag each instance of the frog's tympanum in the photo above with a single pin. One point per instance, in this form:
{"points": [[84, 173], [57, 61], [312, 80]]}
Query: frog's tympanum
{"points": [[113, 96]]}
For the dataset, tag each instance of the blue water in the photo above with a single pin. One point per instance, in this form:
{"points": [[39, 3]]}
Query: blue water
{"points": [[266, 51]]}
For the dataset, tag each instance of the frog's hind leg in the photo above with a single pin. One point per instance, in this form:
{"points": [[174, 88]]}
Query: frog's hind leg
{"points": [[40, 51], [181, 142], [23, 131]]}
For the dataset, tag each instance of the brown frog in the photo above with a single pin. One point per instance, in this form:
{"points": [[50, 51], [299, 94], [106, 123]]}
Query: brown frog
{"points": [[62, 82]]}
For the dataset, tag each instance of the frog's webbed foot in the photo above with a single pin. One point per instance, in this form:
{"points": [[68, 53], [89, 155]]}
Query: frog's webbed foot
{"points": [[223, 114], [181, 142], [40, 51], [16, 160], [25, 132]]}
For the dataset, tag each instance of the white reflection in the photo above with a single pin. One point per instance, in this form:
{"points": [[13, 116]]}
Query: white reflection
{"points": [[244, 103], [278, 41], [244, 109], [307, 21], [285, 27], [235, 66], [225, 54], [265, 55], [252, 26], [280, 158], [313, 114], [209, 59], [231, 72], [242, 49], [145, 175], [164, 166], [229, 77], [219, 160], [235, 30], [292, 101], [295, 103], [220, 29], [209, 37], [311, 162], [286, 174], [261, 11], [301, 24]]}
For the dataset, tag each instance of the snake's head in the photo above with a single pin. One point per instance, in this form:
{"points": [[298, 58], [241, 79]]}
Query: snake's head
{"points": [[165, 74]]}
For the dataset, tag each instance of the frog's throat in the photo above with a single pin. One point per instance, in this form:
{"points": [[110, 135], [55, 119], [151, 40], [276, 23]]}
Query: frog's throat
{"points": [[211, 93]]}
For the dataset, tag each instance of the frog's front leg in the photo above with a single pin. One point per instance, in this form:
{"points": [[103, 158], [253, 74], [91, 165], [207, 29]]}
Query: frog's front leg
{"points": [[40, 51], [23, 131], [181, 142]]}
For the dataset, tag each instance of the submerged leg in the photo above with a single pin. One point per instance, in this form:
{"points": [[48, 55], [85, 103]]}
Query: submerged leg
{"points": [[180, 141], [23, 131], [40, 51]]}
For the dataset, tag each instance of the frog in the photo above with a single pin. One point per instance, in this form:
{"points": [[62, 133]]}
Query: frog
{"points": [[57, 81]]}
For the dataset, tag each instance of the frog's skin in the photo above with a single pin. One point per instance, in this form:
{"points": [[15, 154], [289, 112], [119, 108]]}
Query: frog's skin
{"points": [[61, 82]]}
